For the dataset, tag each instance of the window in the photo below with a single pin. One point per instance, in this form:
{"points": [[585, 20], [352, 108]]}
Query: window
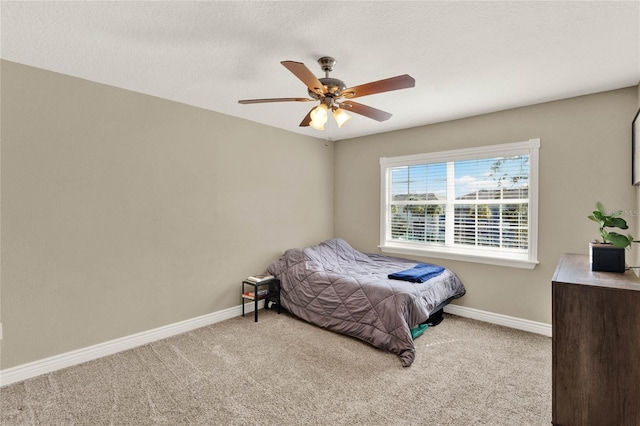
{"points": [[477, 204]]}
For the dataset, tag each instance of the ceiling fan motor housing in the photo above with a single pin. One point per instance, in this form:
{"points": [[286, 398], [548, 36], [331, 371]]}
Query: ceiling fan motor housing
{"points": [[333, 86]]}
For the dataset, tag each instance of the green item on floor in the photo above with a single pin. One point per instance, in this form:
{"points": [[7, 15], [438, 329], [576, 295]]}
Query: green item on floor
{"points": [[416, 331]]}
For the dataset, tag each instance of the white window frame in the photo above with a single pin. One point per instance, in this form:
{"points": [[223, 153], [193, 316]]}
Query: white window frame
{"points": [[484, 255]]}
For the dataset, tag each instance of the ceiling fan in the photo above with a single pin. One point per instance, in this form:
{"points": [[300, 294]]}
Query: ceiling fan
{"points": [[334, 95]]}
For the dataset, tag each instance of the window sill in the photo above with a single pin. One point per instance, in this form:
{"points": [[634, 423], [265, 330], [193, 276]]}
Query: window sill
{"points": [[457, 255]]}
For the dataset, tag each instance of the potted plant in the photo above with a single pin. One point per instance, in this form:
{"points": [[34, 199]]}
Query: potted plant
{"points": [[607, 254]]}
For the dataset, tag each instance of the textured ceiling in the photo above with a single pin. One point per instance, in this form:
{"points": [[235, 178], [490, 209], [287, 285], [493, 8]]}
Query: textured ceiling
{"points": [[467, 58]]}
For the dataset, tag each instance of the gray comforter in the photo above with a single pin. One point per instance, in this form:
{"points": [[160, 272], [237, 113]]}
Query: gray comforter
{"points": [[337, 287]]}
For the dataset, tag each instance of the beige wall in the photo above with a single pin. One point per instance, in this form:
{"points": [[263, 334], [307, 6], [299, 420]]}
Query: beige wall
{"points": [[584, 157], [123, 212]]}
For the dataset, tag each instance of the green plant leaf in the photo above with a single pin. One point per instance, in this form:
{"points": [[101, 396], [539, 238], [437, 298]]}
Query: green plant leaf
{"points": [[593, 218], [618, 240], [600, 207], [617, 222]]}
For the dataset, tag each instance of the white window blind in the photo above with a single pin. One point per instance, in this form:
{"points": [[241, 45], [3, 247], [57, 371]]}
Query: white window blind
{"points": [[476, 204]]}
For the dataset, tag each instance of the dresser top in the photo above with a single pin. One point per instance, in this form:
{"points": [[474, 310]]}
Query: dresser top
{"points": [[575, 269]]}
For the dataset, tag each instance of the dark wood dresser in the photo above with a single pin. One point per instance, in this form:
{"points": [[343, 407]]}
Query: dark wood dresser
{"points": [[596, 345]]}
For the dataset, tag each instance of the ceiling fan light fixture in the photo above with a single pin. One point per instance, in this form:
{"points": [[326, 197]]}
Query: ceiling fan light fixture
{"points": [[340, 116], [316, 126], [319, 117]]}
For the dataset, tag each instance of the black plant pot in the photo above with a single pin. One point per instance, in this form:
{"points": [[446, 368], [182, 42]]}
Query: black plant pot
{"points": [[606, 258]]}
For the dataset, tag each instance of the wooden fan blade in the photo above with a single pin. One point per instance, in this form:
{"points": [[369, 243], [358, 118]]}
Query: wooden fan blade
{"points": [[365, 110], [260, 101], [306, 120], [394, 83], [302, 72]]}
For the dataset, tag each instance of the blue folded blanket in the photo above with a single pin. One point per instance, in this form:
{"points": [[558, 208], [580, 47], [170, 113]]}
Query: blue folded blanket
{"points": [[418, 274]]}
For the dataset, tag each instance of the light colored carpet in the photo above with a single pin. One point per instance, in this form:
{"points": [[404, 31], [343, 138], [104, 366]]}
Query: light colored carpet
{"points": [[284, 371]]}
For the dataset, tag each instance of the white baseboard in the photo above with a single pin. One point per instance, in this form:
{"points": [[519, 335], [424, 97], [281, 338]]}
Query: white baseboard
{"points": [[68, 359], [507, 321], [57, 362]]}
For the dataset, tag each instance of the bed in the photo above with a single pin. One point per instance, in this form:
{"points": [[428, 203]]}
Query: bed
{"points": [[334, 286]]}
